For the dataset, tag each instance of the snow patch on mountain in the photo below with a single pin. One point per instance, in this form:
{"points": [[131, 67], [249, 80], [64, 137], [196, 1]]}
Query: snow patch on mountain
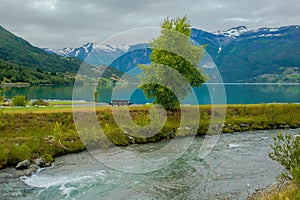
{"points": [[270, 35], [88, 47], [64, 52], [233, 32], [112, 48], [220, 49]]}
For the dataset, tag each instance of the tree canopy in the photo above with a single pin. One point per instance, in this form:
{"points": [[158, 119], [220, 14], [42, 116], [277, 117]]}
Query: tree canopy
{"points": [[174, 64]]}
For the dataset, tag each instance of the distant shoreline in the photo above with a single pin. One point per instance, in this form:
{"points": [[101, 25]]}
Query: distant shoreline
{"points": [[28, 84], [15, 85]]}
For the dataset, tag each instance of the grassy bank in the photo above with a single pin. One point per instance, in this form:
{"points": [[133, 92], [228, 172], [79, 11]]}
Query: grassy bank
{"points": [[27, 133], [287, 192]]}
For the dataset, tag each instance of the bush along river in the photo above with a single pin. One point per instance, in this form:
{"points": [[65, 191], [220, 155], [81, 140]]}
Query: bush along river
{"points": [[236, 166]]}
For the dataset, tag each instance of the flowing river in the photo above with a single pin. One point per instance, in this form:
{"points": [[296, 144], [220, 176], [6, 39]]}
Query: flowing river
{"points": [[236, 166]]}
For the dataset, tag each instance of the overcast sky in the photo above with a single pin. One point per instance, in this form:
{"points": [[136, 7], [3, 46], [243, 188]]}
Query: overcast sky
{"points": [[72, 23]]}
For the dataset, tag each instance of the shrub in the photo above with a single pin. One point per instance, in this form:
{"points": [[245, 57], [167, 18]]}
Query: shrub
{"points": [[48, 157], [58, 134], [40, 102], [286, 151], [1, 95], [4, 151], [20, 101]]}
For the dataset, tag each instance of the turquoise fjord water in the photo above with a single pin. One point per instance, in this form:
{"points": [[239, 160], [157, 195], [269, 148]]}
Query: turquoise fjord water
{"points": [[237, 165], [235, 93]]}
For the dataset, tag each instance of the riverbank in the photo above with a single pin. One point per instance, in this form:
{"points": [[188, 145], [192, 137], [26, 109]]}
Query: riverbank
{"points": [[29, 133], [287, 190]]}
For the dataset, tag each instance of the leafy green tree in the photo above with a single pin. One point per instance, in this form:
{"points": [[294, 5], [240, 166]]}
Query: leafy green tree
{"points": [[172, 51], [96, 95], [1, 77]]}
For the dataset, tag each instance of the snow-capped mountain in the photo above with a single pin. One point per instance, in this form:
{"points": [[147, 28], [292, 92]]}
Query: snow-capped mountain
{"points": [[218, 38], [105, 52], [240, 53], [80, 52], [243, 31]]}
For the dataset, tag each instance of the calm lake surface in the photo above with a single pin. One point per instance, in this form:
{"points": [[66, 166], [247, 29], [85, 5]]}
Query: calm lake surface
{"points": [[237, 165], [235, 94]]}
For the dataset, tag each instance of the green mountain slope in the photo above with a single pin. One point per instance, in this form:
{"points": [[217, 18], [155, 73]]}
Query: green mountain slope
{"points": [[22, 62], [250, 59], [259, 55], [15, 50]]}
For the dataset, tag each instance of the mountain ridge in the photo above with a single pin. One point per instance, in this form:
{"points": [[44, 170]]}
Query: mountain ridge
{"points": [[241, 54], [222, 36]]}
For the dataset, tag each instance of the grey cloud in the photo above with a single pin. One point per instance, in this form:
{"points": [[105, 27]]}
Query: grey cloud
{"points": [[70, 23]]}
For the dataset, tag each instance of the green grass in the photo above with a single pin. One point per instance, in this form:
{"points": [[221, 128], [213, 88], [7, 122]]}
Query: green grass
{"points": [[59, 103], [50, 131], [36, 110]]}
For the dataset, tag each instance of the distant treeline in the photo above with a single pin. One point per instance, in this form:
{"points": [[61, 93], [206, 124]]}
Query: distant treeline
{"points": [[12, 73]]}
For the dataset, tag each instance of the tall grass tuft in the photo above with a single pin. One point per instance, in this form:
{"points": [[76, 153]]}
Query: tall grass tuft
{"points": [[20, 100]]}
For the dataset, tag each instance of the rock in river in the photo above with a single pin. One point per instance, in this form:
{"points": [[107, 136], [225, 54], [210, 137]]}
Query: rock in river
{"points": [[40, 162], [23, 165]]}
